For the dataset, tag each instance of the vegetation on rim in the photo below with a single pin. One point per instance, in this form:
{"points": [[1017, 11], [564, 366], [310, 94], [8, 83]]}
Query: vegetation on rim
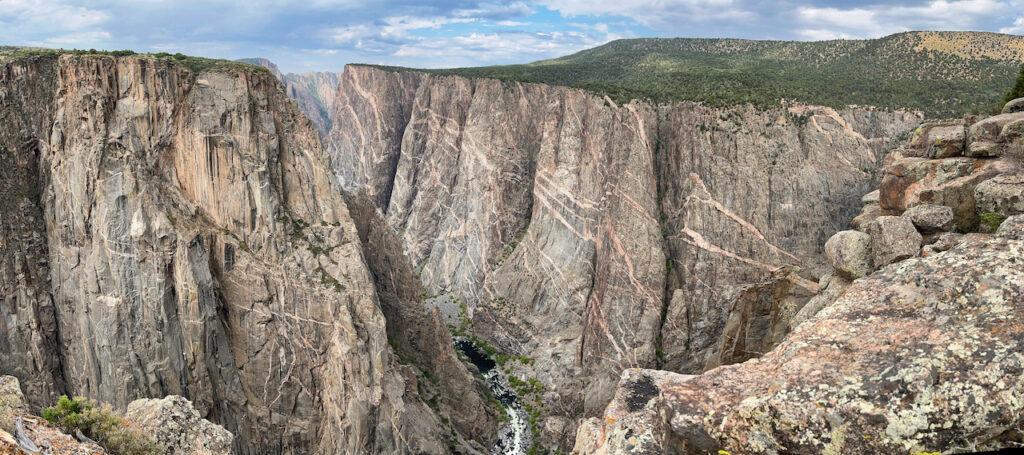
{"points": [[943, 74], [100, 424]]}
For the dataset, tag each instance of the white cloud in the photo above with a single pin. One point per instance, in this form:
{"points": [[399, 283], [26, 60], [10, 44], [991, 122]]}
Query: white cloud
{"points": [[488, 48], [1017, 28], [879, 20], [659, 14]]}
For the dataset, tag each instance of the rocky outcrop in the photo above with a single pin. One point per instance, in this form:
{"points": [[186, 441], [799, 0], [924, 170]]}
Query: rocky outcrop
{"points": [[567, 223], [923, 355], [177, 427], [171, 233], [899, 364]]}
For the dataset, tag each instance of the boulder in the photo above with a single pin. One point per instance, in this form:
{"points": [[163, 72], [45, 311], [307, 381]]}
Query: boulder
{"points": [[893, 239], [868, 214], [1014, 106], [930, 218], [1012, 228], [178, 427], [870, 198], [1012, 138], [849, 252], [939, 140], [941, 242], [11, 397], [1003, 194], [896, 365], [949, 182], [983, 136]]}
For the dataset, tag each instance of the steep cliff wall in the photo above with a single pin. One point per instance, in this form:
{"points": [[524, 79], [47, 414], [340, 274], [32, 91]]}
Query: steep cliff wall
{"points": [[165, 232], [592, 237]]}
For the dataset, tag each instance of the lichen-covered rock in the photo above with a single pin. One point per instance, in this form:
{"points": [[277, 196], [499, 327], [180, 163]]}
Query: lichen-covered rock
{"points": [[939, 140], [849, 252], [949, 182], [924, 356], [632, 423], [893, 239], [11, 398], [1013, 106], [984, 136], [929, 218], [1012, 228], [174, 424], [1003, 195], [941, 242]]}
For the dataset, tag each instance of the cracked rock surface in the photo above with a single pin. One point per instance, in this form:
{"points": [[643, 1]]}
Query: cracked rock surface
{"points": [[170, 233], [592, 237]]}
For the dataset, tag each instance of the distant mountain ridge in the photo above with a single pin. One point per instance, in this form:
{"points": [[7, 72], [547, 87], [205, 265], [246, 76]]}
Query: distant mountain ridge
{"points": [[313, 91], [940, 73]]}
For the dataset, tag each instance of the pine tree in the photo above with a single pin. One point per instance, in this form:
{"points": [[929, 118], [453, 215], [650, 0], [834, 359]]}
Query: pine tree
{"points": [[1018, 90]]}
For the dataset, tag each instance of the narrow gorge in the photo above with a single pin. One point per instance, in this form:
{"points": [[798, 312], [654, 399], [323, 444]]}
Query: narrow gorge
{"points": [[586, 237], [166, 231]]}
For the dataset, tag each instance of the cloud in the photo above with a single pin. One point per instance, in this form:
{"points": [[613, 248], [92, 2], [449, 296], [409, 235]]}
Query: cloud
{"points": [[493, 11], [660, 14], [326, 34], [879, 20], [495, 47], [1017, 28]]}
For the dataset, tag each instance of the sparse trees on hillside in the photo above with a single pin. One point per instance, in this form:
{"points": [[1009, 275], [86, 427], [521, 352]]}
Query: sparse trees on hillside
{"points": [[1018, 90]]}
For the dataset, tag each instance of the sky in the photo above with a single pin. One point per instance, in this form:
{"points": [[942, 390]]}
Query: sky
{"points": [[324, 35]]}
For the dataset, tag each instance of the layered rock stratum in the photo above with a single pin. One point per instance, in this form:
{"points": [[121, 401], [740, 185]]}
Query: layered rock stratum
{"points": [[592, 237], [165, 232]]}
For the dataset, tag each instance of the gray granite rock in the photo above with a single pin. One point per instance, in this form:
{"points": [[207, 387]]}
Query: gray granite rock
{"points": [[893, 239], [928, 218], [849, 252]]}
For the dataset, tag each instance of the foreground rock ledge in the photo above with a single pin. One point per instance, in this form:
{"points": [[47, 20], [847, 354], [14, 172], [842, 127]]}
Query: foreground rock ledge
{"points": [[926, 355]]}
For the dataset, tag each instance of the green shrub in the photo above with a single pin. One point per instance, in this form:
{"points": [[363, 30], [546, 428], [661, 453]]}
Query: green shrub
{"points": [[992, 220], [100, 424]]}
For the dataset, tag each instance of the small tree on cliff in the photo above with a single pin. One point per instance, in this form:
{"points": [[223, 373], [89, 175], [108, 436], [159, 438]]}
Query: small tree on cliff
{"points": [[1018, 90]]}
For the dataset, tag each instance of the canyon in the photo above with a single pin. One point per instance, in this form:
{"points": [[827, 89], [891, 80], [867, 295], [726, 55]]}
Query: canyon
{"points": [[166, 232], [591, 237], [297, 267]]}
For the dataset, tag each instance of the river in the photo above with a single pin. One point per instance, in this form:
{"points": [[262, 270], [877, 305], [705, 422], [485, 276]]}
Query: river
{"points": [[514, 436]]}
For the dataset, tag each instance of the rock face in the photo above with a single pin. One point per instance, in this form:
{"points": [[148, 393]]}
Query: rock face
{"points": [[174, 424], [924, 355], [899, 364], [313, 92], [171, 233], [567, 223]]}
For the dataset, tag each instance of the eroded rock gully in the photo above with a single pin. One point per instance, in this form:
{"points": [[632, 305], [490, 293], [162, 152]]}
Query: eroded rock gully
{"points": [[591, 237], [170, 233]]}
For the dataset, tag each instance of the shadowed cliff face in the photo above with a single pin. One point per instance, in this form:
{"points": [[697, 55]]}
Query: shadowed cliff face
{"points": [[165, 232], [592, 237]]}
